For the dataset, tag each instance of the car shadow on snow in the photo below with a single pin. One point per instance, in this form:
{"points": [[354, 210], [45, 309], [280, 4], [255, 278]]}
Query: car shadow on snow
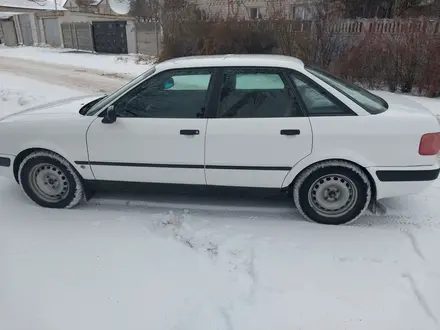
{"points": [[410, 211]]}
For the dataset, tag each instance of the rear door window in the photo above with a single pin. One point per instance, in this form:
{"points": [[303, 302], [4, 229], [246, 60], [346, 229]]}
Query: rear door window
{"points": [[256, 93], [317, 101]]}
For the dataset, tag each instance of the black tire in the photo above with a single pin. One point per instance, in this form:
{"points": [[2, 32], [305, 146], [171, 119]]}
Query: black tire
{"points": [[336, 179], [50, 181]]}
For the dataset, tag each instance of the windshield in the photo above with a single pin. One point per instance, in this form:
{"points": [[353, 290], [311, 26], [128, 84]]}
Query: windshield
{"points": [[111, 97], [370, 102]]}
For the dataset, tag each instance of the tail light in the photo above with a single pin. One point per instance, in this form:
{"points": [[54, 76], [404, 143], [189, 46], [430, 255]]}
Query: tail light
{"points": [[429, 144]]}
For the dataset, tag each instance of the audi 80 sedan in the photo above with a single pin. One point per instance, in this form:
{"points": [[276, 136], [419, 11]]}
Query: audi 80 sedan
{"points": [[254, 121]]}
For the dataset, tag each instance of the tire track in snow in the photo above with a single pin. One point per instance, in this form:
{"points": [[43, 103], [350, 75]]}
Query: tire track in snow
{"points": [[238, 261], [414, 243], [252, 272], [227, 318], [420, 297]]}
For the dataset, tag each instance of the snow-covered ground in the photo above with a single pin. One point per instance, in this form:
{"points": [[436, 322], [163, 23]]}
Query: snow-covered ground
{"points": [[173, 262], [18, 93], [123, 64]]}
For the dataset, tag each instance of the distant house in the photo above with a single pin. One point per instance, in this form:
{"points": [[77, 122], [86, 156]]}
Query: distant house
{"points": [[26, 6], [257, 9], [89, 6]]}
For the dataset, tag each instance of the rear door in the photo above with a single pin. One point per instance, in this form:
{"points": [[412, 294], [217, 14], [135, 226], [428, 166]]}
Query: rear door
{"points": [[259, 132]]}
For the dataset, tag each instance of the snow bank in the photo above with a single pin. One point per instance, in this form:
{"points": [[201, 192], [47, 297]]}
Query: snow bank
{"points": [[125, 64]]}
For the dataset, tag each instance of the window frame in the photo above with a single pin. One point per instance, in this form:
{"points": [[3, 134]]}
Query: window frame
{"points": [[348, 111], [99, 108], [258, 12], [214, 114], [210, 91], [351, 98]]}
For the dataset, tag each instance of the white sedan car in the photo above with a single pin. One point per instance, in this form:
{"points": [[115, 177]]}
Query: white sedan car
{"points": [[256, 121]]}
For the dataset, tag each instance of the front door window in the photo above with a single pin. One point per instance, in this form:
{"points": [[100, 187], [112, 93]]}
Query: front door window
{"points": [[171, 94]]}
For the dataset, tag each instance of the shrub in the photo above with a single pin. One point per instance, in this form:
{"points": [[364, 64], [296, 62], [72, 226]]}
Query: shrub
{"points": [[215, 37], [405, 62]]}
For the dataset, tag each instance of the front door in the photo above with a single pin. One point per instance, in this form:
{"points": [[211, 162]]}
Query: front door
{"points": [[260, 131], [159, 134]]}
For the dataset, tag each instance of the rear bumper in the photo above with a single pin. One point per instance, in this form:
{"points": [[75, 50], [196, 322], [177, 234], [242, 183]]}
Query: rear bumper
{"points": [[6, 166], [400, 181], [407, 176]]}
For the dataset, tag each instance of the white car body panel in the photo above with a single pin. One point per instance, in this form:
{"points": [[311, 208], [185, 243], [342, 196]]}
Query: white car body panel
{"points": [[387, 141], [394, 189], [244, 144], [148, 141], [47, 128]]}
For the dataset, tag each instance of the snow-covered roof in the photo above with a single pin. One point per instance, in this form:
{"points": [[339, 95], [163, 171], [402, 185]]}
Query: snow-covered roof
{"points": [[278, 61], [34, 4]]}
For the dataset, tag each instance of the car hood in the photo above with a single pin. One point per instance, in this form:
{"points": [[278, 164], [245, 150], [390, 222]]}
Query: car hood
{"points": [[67, 108]]}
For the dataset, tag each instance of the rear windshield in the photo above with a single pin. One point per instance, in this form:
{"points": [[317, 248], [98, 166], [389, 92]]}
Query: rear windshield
{"points": [[370, 102]]}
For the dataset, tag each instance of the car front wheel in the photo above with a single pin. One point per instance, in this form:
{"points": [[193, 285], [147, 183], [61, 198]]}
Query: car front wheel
{"points": [[332, 193], [50, 181]]}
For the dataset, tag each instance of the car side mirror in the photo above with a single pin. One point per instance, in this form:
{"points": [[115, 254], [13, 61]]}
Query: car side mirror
{"points": [[109, 115]]}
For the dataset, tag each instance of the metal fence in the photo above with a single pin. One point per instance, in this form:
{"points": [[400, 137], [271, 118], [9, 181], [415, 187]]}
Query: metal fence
{"points": [[110, 37], [52, 31], [26, 30], [77, 36], [8, 34]]}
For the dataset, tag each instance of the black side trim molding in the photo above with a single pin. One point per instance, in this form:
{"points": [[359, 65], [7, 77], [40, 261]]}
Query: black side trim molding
{"points": [[5, 162], [139, 164], [248, 168], [407, 176], [210, 167]]}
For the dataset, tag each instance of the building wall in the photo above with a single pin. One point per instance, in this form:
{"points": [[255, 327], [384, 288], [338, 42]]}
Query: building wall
{"points": [[249, 9]]}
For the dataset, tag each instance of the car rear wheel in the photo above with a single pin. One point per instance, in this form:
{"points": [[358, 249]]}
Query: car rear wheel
{"points": [[332, 193], [50, 181]]}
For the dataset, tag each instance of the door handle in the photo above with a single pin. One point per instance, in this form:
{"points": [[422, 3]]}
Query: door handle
{"points": [[290, 132], [189, 132]]}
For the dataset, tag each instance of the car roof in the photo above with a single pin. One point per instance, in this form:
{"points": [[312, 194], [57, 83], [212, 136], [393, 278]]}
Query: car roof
{"points": [[232, 60]]}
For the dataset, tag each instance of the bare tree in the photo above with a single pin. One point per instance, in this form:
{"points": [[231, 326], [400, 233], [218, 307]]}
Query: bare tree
{"points": [[146, 9], [277, 9], [164, 10], [316, 40], [401, 6]]}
